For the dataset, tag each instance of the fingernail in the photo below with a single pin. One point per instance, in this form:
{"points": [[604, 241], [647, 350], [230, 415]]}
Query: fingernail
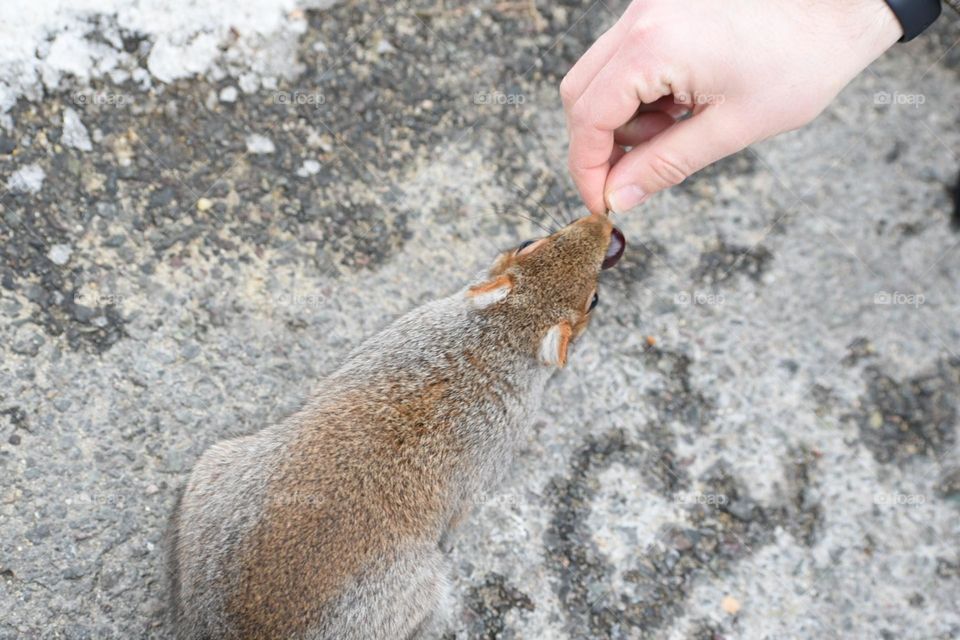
{"points": [[626, 198]]}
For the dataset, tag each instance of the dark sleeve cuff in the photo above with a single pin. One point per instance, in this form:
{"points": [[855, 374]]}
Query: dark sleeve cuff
{"points": [[914, 16]]}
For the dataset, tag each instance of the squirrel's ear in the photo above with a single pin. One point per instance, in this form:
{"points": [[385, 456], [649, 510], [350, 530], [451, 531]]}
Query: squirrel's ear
{"points": [[488, 293], [553, 346]]}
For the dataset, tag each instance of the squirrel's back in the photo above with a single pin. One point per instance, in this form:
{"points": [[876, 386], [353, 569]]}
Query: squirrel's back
{"points": [[364, 473], [330, 524]]}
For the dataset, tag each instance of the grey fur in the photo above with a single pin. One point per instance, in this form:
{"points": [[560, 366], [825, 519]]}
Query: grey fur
{"points": [[446, 358]]}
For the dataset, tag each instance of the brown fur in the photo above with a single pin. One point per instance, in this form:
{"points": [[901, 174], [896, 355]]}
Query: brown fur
{"points": [[308, 528], [317, 486], [496, 283]]}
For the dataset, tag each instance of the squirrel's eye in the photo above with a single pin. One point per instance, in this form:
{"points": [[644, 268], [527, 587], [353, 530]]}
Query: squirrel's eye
{"points": [[594, 301], [528, 246]]}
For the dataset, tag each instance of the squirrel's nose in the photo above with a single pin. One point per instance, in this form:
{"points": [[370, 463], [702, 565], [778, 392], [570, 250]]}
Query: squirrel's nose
{"points": [[615, 249]]}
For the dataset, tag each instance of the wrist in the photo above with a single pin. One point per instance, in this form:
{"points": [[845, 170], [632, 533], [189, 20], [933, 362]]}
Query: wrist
{"points": [[867, 27], [877, 25]]}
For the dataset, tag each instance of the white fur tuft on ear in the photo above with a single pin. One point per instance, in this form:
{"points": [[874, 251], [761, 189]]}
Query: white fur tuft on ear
{"points": [[553, 346], [484, 295]]}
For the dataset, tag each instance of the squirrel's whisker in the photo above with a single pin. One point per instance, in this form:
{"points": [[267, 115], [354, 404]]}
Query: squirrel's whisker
{"points": [[536, 222]]}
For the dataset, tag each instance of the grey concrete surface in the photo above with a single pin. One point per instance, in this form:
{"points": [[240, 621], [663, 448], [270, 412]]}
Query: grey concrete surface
{"points": [[757, 438]]}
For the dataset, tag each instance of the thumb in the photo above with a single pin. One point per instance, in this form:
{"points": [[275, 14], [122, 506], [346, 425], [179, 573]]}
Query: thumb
{"points": [[671, 157]]}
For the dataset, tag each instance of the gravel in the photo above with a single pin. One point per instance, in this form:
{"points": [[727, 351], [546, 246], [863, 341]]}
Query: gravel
{"points": [[26, 180], [756, 438]]}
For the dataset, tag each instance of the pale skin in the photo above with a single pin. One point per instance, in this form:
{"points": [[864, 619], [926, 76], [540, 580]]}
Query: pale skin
{"points": [[743, 70]]}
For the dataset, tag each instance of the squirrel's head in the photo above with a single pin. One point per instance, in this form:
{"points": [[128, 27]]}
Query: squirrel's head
{"points": [[545, 290]]}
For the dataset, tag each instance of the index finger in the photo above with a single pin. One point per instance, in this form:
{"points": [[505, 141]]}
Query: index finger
{"points": [[611, 99], [589, 162], [578, 78]]}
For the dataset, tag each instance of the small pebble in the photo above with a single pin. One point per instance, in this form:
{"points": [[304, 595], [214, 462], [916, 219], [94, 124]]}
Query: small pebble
{"points": [[249, 82], [730, 604], [26, 180], [309, 168], [27, 342], [228, 94], [73, 573], [74, 133], [204, 204], [59, 254], [257, 143]]}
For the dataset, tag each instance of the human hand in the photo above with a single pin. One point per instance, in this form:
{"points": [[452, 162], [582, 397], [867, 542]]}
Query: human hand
{"points": [[746, 69]]}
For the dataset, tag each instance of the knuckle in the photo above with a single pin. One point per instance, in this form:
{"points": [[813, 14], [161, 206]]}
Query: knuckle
{"points": [[579, 114], [649, 91], [649, 40], [568, 93], [575, 168], [670, 169], [641, 30], [648, 81], [578, 168]]}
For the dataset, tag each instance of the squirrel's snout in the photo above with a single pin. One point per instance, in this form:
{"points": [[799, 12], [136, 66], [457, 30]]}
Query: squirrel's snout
{"points": [[615, 249]]}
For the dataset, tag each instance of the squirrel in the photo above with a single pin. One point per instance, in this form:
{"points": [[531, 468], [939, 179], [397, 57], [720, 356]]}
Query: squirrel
{"points": [[336, 522]]}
